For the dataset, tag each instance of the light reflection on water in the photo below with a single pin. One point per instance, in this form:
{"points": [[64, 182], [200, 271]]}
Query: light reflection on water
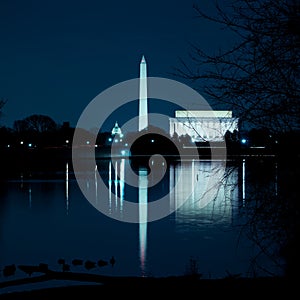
{"points": [[42, 220], [201, 183]]}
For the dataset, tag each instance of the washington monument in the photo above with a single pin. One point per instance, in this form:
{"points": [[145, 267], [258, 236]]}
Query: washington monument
{"points": [[143, 101]]}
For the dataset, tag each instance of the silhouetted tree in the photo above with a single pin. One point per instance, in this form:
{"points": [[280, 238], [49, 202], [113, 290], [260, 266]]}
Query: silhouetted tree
{"points": [[66, 268], [77, 262], [89, 264], [2, 103], [103, 137], [112, 261], [258, 75], [42, 130], [35, 123], [6, 136], [185, 139], [102, 263], [260, 137], [9, 270], [192, 269]]}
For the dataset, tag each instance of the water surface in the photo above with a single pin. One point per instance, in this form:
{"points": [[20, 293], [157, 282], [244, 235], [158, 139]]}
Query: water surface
{"points": [[44, 219]]}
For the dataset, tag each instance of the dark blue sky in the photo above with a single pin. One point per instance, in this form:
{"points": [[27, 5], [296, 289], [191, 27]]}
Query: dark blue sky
{"points": [[56, 56]]}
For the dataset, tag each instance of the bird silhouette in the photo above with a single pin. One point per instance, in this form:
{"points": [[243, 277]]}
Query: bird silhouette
{"points": [[112, 261], [66, 267], [9, 270], [77, 262], [89, 265], [102, 263]]}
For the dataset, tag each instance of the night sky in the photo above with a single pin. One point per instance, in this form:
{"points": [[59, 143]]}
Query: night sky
{"points": [[56, 56]]}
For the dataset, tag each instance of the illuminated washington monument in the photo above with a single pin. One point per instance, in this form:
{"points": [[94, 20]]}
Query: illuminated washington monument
{"points": [[143, 101]]}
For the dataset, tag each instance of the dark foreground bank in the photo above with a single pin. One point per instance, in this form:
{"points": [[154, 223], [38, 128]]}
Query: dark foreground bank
{"points": [[91, 287]]}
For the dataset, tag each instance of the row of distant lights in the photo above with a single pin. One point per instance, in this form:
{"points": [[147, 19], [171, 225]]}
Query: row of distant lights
{"points": [[243, 141], [116, 140], [30, 145], [67, 142]]}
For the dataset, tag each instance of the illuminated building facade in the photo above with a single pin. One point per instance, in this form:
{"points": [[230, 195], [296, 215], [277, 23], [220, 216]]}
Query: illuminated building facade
{"points": [[203, 125]]}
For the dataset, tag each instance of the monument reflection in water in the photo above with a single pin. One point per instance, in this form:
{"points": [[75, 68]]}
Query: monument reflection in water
{"points": [[202, 197], [43, 220]]}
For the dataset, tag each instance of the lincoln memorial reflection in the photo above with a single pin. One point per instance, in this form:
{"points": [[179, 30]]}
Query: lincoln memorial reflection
{"points": [[202, 196]]}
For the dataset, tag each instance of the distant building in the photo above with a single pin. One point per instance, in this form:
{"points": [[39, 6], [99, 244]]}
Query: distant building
{"points": [[116, 134], [202, 125], [116, 130]]}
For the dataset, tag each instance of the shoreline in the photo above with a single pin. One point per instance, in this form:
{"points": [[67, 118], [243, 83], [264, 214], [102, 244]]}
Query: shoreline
{"points": [[91, 283]]}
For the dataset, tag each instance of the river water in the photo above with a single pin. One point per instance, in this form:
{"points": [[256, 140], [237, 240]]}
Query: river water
{"points": [[45, 218]]}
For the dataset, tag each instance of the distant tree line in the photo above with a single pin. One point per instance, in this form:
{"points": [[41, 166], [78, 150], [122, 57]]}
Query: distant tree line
{"points": [[37, 131]]}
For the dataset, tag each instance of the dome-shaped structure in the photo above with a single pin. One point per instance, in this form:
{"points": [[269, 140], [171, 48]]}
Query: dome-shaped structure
{"points": [[116, 130]]}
